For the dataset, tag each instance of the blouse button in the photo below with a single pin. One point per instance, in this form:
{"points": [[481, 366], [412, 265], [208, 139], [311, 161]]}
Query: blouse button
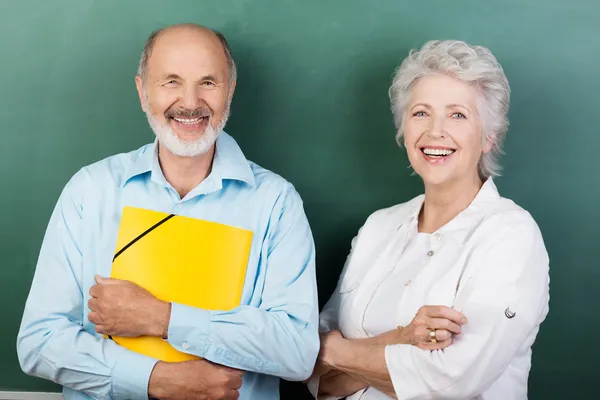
{"points": [[430, 253]]}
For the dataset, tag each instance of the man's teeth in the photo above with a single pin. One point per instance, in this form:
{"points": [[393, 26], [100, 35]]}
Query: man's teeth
{"points": [[438, 152], [188, 121]]}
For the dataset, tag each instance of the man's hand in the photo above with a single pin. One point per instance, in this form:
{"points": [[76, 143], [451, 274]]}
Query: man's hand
{"points": [[122, 308], [197, 379]]}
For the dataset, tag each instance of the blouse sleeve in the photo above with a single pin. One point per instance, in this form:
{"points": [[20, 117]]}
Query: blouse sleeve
{"points": [[505, 301], [328, 319]]}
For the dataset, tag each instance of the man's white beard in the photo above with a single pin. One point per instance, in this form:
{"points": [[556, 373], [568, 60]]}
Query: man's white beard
{"points": [[186, 148]]}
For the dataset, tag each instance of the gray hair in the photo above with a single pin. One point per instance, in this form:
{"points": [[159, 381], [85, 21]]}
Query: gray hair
{"points": [[151, 41], [475, 65]]}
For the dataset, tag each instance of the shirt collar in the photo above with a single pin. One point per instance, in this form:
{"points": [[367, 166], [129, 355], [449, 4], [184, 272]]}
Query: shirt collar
{"points": [[461, 225], [229, 163]]}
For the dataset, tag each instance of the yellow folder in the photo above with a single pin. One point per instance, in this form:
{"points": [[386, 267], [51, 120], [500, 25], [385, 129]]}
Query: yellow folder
{"points": [[182, 260]]}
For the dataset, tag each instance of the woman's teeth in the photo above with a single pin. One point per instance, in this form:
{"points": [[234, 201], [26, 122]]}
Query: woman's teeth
{"points": [[437, 152]]}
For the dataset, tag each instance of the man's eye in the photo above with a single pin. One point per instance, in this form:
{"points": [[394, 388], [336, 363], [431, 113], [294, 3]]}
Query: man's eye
{"points": [[458, 115]]}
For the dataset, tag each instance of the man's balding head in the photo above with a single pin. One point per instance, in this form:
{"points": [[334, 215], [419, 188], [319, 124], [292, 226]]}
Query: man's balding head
{"points": [[185, 82], [181, 31]]}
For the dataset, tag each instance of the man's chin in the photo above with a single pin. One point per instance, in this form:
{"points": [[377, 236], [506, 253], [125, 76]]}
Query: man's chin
{"points": [[189, 138], [187, 147]]}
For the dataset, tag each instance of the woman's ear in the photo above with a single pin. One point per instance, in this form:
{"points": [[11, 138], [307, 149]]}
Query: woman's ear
{"points": [[488, 144]]}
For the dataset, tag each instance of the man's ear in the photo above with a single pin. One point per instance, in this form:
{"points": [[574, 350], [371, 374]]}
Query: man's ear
{"points": [[139, 84], [231, 90]]}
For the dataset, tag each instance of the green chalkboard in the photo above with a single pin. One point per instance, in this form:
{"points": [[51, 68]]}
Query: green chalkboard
{"points": [[312, 105]]}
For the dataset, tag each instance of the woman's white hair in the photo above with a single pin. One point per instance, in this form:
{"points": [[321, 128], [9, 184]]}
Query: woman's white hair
{"points": [[475, 65]]}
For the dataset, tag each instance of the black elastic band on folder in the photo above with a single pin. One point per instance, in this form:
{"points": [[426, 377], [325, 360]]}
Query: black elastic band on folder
{"points": [[141, 235], [147, 231]]}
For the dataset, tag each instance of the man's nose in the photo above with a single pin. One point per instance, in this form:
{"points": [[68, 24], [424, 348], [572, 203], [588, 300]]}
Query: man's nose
{"points": [[191, 98]]}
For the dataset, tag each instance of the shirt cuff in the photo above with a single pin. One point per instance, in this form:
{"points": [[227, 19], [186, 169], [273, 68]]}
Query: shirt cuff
{"points": [[313, 386], [189, 322], [406, 373], [131, 375]]}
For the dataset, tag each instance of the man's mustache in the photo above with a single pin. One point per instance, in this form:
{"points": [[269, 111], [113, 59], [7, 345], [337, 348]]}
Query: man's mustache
{"points": [[180, 112]]}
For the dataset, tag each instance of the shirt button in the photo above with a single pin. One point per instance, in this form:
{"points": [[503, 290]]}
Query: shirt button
{"points": [[185, 346], [408, 282], [437, 236], [430, 253]]}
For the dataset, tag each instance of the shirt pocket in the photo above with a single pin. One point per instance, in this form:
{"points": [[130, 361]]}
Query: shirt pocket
{"points": [[365, 262]]}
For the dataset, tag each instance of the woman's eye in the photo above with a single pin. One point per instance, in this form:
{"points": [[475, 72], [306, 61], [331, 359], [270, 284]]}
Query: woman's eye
{"points": [[419, 114], [458, 115]]}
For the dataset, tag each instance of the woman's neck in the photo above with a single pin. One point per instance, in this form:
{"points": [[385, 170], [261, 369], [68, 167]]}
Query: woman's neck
{"points": [[444, 202]]}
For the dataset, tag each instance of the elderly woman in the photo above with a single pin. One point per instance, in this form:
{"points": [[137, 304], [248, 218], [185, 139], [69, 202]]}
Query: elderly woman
{"points": [[441, 296]]}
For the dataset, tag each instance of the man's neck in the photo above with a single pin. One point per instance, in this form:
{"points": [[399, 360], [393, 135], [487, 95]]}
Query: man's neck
{"points": [[444, 202], [185, 173]]}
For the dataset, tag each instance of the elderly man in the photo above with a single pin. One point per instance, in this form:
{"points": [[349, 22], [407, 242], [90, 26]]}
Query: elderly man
{"points": [[185, 82]]}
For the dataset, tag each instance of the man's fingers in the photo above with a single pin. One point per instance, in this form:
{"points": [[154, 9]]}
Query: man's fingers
{"points": [[95, 291], [446, 312], [233, 371], [444, 324], [233, 395], [236, 383], [105, 281], [237, 372], [93, 304], [94, 318]]}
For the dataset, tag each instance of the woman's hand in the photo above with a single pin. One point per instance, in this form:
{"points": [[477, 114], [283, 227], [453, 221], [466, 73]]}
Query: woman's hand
{"points": [[433, 327], [339, 384], [323, 366]]}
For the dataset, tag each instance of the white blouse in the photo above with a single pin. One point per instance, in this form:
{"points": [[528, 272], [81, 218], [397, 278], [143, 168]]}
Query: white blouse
{"points": [[389, 291], [489, 262]]}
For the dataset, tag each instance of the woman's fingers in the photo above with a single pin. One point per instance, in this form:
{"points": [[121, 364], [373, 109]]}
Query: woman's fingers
{"points": [[434, 326], [444, 312], [445, 324], [437, 334], [442, 335], [435, 346]]}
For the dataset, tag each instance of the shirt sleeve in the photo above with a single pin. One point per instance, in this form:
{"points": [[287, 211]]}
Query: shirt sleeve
{"points": [[280, 337], [505, 301], [51, 342]]}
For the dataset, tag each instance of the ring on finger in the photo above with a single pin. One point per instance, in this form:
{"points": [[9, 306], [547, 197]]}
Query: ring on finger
{"points": [[432, 336]]}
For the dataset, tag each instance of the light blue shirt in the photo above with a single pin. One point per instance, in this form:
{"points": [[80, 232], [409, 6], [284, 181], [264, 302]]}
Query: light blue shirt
{"points": [[272, 335]]}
